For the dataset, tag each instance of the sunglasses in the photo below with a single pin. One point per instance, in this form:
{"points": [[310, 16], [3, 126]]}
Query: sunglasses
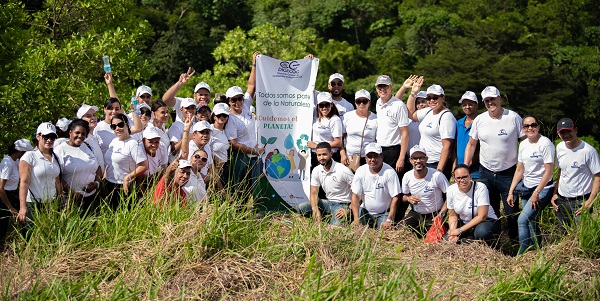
{"points": [[339, 84], [222, 115], [236, 99], [198, 157], [51, 137], [361, 101], [433, 97], [114, 126], [146, 112], [531, 125], [324, 105], [460, 179], [382, 87]]}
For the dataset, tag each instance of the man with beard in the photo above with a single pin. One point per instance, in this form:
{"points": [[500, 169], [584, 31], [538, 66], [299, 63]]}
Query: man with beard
{"points": [[336, 87], [336, 180], [424, 190], [375, 191]]}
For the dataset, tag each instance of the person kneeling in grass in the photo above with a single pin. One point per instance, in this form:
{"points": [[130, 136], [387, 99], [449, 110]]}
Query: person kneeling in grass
{"points": [[169, 188]]}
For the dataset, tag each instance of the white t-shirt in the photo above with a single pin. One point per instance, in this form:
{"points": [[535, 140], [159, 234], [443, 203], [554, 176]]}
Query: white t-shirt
{"points": [[327, 129], [461, 203], [354, 126], [159, 161], [176, 131], [195, 188], [60, 141], [434, 128], [577, 169], [336, 183], [122, 158], [415, 135], [249, 121], [498, 139], [534, 156], [92, 143], [104, 134], [43, 176], [391, 116], [343, 106], [79, 166], [376, 190], [193, 148], [9, 171], [219, 141], [429, 190]]}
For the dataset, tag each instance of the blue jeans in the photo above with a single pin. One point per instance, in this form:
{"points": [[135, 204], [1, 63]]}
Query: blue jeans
{"points": [[566, 211], [246, 171], [498, 185], [529, 230], [328, 207], [372, 220], [486, 230]]}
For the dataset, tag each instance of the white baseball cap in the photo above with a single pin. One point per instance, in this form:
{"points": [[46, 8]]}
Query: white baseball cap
{"points": [[84, 108], [141, 90], [435, 90], [470, 95], [421, 94], [187, 102], [490, 91], [234, 91], [143, 105], [416, 149], [201, 125], [23, 145], [151, 132], [63, 124], [373, 148], [336, 75], [201, 85], [221, 108], [184, 164], [324, 97], [46, 128], [383, 80], [362, 94]]}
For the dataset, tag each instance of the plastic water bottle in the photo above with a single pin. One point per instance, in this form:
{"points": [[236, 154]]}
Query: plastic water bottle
{"points": [[135, 102], [106, 61]]}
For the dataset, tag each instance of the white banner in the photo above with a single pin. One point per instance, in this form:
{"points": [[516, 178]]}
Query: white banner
{"points": [[284, 108]]}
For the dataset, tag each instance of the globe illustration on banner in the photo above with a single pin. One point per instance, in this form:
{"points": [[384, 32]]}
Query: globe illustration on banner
{"points": [[278, 166]]}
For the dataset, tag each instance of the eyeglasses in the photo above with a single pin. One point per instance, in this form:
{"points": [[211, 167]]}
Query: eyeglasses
{"points": [[236, 99], [435, 97], [531, 125], [201, 158], [146, 112], [339, 84], [422, 158], [324, 105], [51, 137], [382, 87], [114, 126], [361, 101], [460, 179], [222, 115]]}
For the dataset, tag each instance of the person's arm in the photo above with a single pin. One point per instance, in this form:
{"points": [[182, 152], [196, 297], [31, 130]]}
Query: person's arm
{"points": [[470, 150], [245, 149], [169, 96], [252, 79], [314, 202], [61, 186], [555, 195], [108, 78], [548, 173], [452, 225], [445, 156], [170, 172], [590, 200], [407, 84], [139, 171], [185, 140], [516, 178], [403, 148], [415, 83], [355, 207], [390, 219], [5, 199], [25, 181], [137, 122], [482, 213]]}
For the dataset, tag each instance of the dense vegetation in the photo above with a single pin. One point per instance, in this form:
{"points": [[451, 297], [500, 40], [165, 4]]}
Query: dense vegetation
{"points": [[542, 54]]}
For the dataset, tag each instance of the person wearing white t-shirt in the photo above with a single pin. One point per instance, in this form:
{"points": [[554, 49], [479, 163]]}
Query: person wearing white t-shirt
{"points": [[498, 132], [437, 126], [201, 94], [81, 172], [423, 189], [375, 191], [223, 131], [9, 183], [579, 175], [336, 87], [336, 180], [88, 113], [532, 182], [361, 128], [413, 126], [201, 133], [140, 121], [469, 212], [156, 152], [188, 108], [102, 131], [39, 175], [327, 127], [195, 188], [126, 161]]}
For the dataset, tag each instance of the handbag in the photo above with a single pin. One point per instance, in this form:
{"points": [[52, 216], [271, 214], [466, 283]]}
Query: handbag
{"points": [[355, 159]]}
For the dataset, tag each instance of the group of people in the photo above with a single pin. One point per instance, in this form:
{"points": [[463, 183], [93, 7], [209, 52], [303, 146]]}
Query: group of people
{"points": [[359, 165]]}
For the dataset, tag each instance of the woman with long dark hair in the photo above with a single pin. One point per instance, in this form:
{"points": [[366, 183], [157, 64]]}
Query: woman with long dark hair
{"points": [[327, 127], [105, 135]]}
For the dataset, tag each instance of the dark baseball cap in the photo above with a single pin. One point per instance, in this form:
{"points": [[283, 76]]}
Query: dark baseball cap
{"points": [[565, 124]]}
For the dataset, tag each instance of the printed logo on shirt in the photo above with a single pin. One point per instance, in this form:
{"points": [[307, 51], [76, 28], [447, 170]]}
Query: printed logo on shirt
{"points": [[389, 113], [323, 127], [379, 186], [502, 132], [429, 125], [535, 155], [428, 189], [575, 165], [368, 128]]}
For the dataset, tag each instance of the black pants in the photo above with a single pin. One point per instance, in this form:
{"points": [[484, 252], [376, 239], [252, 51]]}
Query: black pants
{"points": [[111, 194], [419, 223], [5, 215], [390, 156]]}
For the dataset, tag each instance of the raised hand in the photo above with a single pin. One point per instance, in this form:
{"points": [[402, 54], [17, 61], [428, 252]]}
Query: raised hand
{"points": [[408, 83], [418, 82], [184, 77]]}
